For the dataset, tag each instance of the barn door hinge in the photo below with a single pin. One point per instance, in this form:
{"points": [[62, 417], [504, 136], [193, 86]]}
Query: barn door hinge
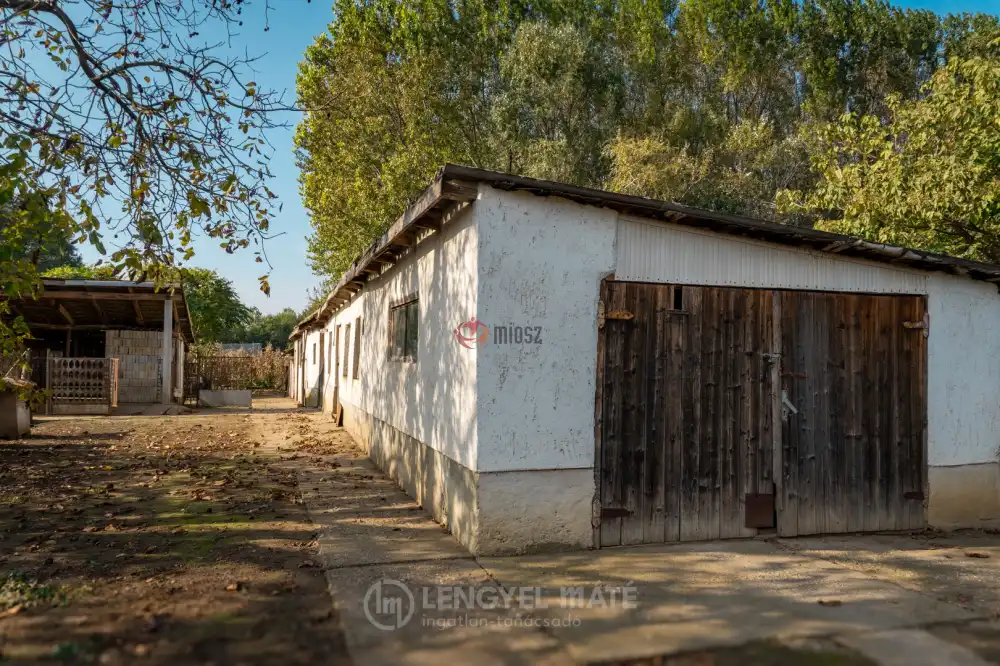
{"points": [[603, 316], [924, 324]]}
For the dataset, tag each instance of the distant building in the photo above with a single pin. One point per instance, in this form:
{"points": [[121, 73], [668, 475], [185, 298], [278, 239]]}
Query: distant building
{"points": [[96, 343], [543, 365]]}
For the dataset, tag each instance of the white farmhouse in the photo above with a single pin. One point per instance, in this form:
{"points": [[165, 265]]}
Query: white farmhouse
{"points": [[547, 366]]}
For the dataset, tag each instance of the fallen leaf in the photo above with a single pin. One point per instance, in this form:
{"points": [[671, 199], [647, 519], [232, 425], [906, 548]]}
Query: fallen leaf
{"points": [[981, 556]]}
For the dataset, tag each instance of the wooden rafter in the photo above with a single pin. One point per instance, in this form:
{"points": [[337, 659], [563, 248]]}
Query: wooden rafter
{"points": [[65, 314], [100, 312]]}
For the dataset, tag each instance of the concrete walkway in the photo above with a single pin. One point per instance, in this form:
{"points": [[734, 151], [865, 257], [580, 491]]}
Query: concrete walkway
{"points": [[407, 593]]}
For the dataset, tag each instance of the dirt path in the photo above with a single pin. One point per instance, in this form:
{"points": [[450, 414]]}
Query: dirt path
{"points": [[159, 540]]}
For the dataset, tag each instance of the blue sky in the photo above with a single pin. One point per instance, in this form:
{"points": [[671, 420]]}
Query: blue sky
{"points": [[292, 28]]}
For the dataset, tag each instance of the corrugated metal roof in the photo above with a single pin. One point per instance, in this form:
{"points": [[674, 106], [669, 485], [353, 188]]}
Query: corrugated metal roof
{"points": [[456, 183]]}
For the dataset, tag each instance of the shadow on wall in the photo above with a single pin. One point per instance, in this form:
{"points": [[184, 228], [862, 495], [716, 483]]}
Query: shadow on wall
{"points": [[420, 417]]}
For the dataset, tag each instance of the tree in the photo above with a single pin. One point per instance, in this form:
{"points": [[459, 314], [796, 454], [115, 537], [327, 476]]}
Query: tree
{"points": [[118, 122], [928, 177], [82, 272], [269, 330], [217, 313], [710, 102]]}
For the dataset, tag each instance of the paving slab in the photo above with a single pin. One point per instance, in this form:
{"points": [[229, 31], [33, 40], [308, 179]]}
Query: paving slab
{"points": [[385, 559], [697, 596], [960, 568], [910, 647], [364, 518], [391, 615]]}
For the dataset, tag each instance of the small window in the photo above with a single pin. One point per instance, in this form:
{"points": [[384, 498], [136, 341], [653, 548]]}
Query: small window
{"points": [[678, 298], [347, 346], [314, 353], [357, 348], [404, 321]]}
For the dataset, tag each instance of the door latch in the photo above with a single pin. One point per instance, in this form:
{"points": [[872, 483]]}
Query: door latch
{"points": [[786, 406]]}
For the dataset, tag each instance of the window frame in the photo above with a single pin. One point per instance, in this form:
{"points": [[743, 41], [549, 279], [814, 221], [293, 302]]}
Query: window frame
{"points": [[355, 370], [405, 307], [347, 350]]}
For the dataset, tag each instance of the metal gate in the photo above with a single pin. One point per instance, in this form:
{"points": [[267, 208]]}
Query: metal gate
{"points": [[721, 411]]}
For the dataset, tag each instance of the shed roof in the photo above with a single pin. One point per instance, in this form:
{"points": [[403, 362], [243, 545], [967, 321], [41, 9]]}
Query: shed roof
{"points": [[103, 304], [456, 184]]}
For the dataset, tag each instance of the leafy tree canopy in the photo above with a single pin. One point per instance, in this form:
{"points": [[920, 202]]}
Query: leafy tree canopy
{"points": [[926, 176], [217, 313], [121, 126], [715, 103]]}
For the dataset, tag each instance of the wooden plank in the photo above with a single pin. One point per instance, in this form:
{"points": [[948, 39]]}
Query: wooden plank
{"points": [[654, 506], [634, 440], [728, 397], [673, 471], [838, 502], [789, 518], [708, 470], [773, 369], [692, 419]]}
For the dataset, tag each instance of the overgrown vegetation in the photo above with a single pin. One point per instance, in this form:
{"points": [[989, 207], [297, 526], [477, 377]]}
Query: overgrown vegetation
{"points": [[722, 104]]}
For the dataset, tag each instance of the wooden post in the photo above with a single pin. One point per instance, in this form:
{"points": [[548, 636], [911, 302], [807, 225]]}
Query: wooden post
{"points": [[167, 353], [68, 338]]}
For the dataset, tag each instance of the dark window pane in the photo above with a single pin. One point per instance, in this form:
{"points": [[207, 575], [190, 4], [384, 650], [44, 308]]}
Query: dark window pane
{"points": [[357, 348], [412, 318], [399, 332]]}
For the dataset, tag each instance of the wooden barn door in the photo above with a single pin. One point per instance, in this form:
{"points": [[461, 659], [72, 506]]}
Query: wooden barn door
{"points": [[685, 412], [854, 405]]}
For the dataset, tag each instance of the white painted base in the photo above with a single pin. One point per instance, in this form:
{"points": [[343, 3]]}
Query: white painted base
{"points": [[232, 398], [535, 511], [964, 496]]}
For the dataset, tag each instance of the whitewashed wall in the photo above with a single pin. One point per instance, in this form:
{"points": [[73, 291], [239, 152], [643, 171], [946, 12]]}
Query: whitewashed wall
{"points": [[963, 372], [311, 367], [434, 399], [541, 263]]}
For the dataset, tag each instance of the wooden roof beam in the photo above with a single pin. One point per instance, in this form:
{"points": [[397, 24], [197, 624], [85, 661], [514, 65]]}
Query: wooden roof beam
{"points": [[109, 296], [65, 314], [99, 311]]}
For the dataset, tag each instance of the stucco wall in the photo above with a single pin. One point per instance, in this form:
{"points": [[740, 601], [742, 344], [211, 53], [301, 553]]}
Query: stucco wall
{"points": [[541, 264], [434, 399], [963, 373]]}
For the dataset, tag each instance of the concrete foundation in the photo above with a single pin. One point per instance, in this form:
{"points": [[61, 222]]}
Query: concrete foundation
{"points": [[81, 409], [964, 496], [229, 398], [495, 513]]}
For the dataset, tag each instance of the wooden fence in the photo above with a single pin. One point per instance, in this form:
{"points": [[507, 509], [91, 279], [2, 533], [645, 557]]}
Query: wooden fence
{"points": [[261, 372]]}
